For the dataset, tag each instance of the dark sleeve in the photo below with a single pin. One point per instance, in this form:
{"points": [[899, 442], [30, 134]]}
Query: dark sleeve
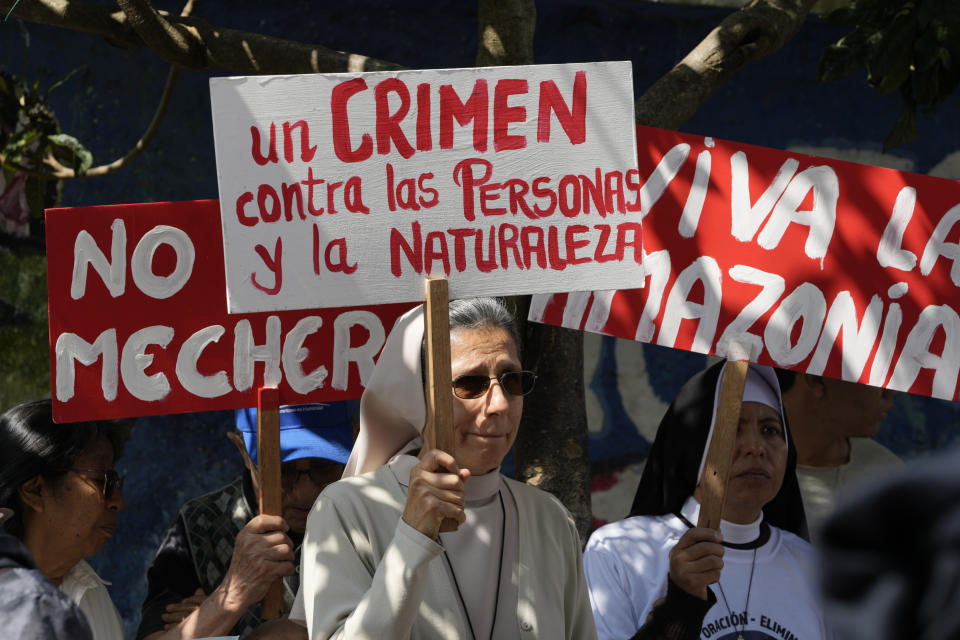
{"points": [[679, 616], [31, 607], [170, 579]]}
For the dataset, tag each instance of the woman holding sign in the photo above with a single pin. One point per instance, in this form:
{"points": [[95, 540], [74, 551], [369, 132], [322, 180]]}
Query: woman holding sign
{"points": [[657, 575], [437, 547]]}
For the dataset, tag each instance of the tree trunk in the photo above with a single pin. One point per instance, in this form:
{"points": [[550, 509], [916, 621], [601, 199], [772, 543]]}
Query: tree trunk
{"points": [[754, 32], [551, 448], [505, 31]]}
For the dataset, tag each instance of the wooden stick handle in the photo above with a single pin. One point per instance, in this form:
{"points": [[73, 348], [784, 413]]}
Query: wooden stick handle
{"points": [[268, 463], [438, 433], [716, 470]]}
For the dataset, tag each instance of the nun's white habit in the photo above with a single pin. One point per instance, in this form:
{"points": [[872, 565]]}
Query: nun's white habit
{"points": [[514, 570], [767, 588]]}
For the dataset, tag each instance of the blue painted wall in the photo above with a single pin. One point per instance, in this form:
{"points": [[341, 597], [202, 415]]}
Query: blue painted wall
{"points": [[775, 103]]}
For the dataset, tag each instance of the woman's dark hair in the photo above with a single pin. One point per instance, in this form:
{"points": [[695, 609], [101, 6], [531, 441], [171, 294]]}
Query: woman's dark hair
{"points": [[31, 445]]}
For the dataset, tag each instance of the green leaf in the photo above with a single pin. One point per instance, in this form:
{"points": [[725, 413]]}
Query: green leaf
{"points": [[926, 86], [947, 80], [63, 79], [929, 10], [836, 62], [14, 148], [891, 66], [846, 56], [905, 131], [894, 78], [81, 158], [928, 50]]}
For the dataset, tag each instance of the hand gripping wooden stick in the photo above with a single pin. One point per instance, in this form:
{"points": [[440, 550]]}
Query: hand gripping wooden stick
{"points": [[716, 470]]}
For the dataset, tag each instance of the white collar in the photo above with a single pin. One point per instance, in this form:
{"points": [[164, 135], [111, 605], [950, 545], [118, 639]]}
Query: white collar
{"points": [[80, 579], [732, 533], [478, 488], [482, 488]]}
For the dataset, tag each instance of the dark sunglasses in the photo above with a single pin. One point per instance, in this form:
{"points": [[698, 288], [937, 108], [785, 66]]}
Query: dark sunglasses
{"points": [[319, 474], [516, 383], [112, 483]]}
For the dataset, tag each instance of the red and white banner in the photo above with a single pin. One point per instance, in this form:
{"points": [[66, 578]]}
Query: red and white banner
{"points": [[806, 263], [139, 323], [347, 189]]}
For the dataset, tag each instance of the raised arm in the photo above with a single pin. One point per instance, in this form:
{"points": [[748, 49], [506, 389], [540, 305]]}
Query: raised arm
{"points": [[347, 591], [261, 554]]}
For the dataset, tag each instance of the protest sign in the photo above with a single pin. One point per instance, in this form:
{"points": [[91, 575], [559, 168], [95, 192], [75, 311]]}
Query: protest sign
{"points": [[810, 264], [139, 323], [349, 189]]}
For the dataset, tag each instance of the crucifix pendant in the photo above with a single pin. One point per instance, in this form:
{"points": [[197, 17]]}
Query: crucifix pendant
{"points": [[739, 636]]}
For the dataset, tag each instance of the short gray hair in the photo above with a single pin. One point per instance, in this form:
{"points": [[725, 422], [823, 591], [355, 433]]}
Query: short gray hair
{"points": [[477, 313]]}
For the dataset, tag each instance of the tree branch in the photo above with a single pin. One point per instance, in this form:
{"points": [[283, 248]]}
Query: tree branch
{"points": [[175, 43], [505, 32], [552, 444], [754, 32], [187, 9], [63, 173], [96, 19], [218, 48], [60, 172]]}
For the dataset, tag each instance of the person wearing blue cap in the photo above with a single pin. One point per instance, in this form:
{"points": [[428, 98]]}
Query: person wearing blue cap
{"points": [[219, 557]]}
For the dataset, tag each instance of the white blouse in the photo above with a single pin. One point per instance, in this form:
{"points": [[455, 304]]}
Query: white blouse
{"points": [[89, 592]]}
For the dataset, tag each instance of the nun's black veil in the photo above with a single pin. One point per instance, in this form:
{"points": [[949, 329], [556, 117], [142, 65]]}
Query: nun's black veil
{"points": [[670, 475]]}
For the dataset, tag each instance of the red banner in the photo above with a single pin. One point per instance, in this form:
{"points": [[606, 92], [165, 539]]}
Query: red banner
{"points": [[139, 322], [805, 263]]}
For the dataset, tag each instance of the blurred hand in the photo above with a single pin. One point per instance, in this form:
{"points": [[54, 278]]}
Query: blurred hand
{"points": [[436, 494], [261, 554], [180, 610], [696, 561]]}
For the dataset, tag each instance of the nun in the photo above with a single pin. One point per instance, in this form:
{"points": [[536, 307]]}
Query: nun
{"points": [[417, 543], [657, 575]]}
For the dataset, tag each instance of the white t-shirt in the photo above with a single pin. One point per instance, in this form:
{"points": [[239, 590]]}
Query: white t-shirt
{"points": [[627, 562]]}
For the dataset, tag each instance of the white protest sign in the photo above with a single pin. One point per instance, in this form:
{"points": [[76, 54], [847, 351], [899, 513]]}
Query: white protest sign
{"points": [[349, 189]]}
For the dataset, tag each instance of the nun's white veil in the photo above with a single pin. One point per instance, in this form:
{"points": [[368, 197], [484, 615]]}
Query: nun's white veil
{"points": [[392, 410]]}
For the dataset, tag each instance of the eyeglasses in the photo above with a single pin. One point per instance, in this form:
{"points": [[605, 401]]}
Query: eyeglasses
{"points": [[516, 383], [319, 474], [112, 482]]}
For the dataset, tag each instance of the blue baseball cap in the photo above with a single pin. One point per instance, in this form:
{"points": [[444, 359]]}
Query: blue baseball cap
{"points": [[306, 431]]}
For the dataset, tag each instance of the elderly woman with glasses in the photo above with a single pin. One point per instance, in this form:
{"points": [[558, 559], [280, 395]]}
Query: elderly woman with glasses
{"points": [[60, 483], [422, 544]]}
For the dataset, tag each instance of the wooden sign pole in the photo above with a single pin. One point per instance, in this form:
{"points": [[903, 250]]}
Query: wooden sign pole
{"points": [[438, 433], [268, 464], [716, 470]]}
